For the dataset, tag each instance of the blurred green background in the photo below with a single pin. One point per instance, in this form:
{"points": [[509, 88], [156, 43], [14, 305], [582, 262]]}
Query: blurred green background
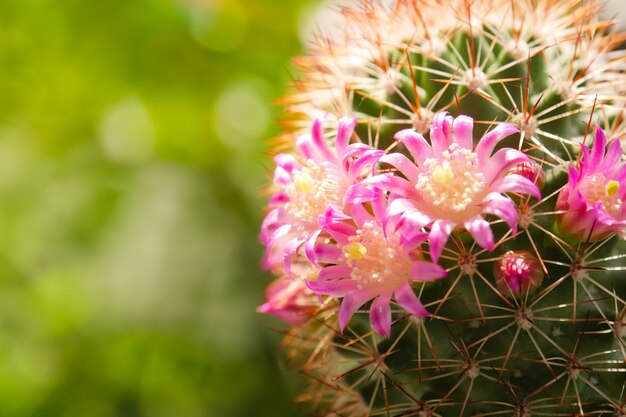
{"points": [[132, 158]]}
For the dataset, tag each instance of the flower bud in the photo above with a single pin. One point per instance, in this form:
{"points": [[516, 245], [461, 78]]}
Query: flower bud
{"points": [[517, 272]]}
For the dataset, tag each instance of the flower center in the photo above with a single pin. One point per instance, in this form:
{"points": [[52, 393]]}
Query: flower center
{"points": [[451, 184], [312, 189], [596, 189], [376, 260]]}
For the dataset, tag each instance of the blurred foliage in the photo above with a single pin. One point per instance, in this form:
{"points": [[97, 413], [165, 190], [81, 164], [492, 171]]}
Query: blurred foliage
{"points": [[132, 157]]}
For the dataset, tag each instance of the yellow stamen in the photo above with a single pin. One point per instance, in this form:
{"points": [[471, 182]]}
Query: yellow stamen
{"points": [[313, 275], [355, 251], [443, 174], [303, 182], [612, 187]]}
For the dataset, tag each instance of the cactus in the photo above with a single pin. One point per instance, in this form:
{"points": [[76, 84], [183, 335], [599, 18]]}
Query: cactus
{"points": [[446, 220]]}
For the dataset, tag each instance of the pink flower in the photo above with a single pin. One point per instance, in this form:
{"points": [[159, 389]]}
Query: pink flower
{"points": [[592, 200], [290, 300], [364, 263], [309, 182], [451, 184]]}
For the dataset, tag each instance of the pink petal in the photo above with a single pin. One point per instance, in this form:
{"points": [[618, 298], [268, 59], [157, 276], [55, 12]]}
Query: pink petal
{"points": [[503, 207], [481, 232], [463, 128], [487, 144], [286, 161], [278, 200], [340, 232], [267, 226], [340, 288], [514, 183], [380, 315], [440, 132], [332, 215], [360, 215], [305, 146], [426, 271], [407, 299], [344, 132], [369, 158], [416, 144], [282, 177], [326, 253], [599, 146], [333, 273], [391, 183], [317, 134], [502, 161], [439, 233], [309, 247], [403, 164], [350, 304], [289, 251], [360, 193], [612, 158]]}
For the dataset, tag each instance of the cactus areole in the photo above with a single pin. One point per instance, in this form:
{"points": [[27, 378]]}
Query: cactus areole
{"points": [[447, 219]]}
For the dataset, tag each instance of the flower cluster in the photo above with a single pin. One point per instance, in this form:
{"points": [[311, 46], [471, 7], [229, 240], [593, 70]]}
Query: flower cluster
{"points": [[372, 223]]}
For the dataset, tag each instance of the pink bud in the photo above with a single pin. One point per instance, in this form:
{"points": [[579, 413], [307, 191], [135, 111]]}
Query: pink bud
{"points": [[530, 171], [517, 272]]}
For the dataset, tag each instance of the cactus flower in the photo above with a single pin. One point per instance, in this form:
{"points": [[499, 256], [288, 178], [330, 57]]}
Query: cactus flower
{"points": [[365, 263], [290, 300], [451, 184], [308, 183], [592, 201]]}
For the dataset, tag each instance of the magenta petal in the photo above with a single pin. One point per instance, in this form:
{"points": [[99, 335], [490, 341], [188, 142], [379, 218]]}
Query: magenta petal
{"points": [[341, 232], [599, 146], [334, 272], [439, 233], [407, 299], [344, 132], [289, 251], [277, 200], [350, 304], [360, 193], [333, 288], [286, 161], [360, 215], [391, 183], [332, 215], [612, 158], [463, 128], [481, 232], [503, 207], [418, 147], [326, 253], [266, 227], [440, 131], [426, 271], [305, 146], [403, 164], [502, 161], [309, 247], [487, 143], [514, 183], [317, 134], [282, 177], [380, 314], [367, 159]]}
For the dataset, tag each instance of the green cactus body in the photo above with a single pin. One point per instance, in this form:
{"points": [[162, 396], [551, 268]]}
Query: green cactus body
{"points": [[555, 346]]}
